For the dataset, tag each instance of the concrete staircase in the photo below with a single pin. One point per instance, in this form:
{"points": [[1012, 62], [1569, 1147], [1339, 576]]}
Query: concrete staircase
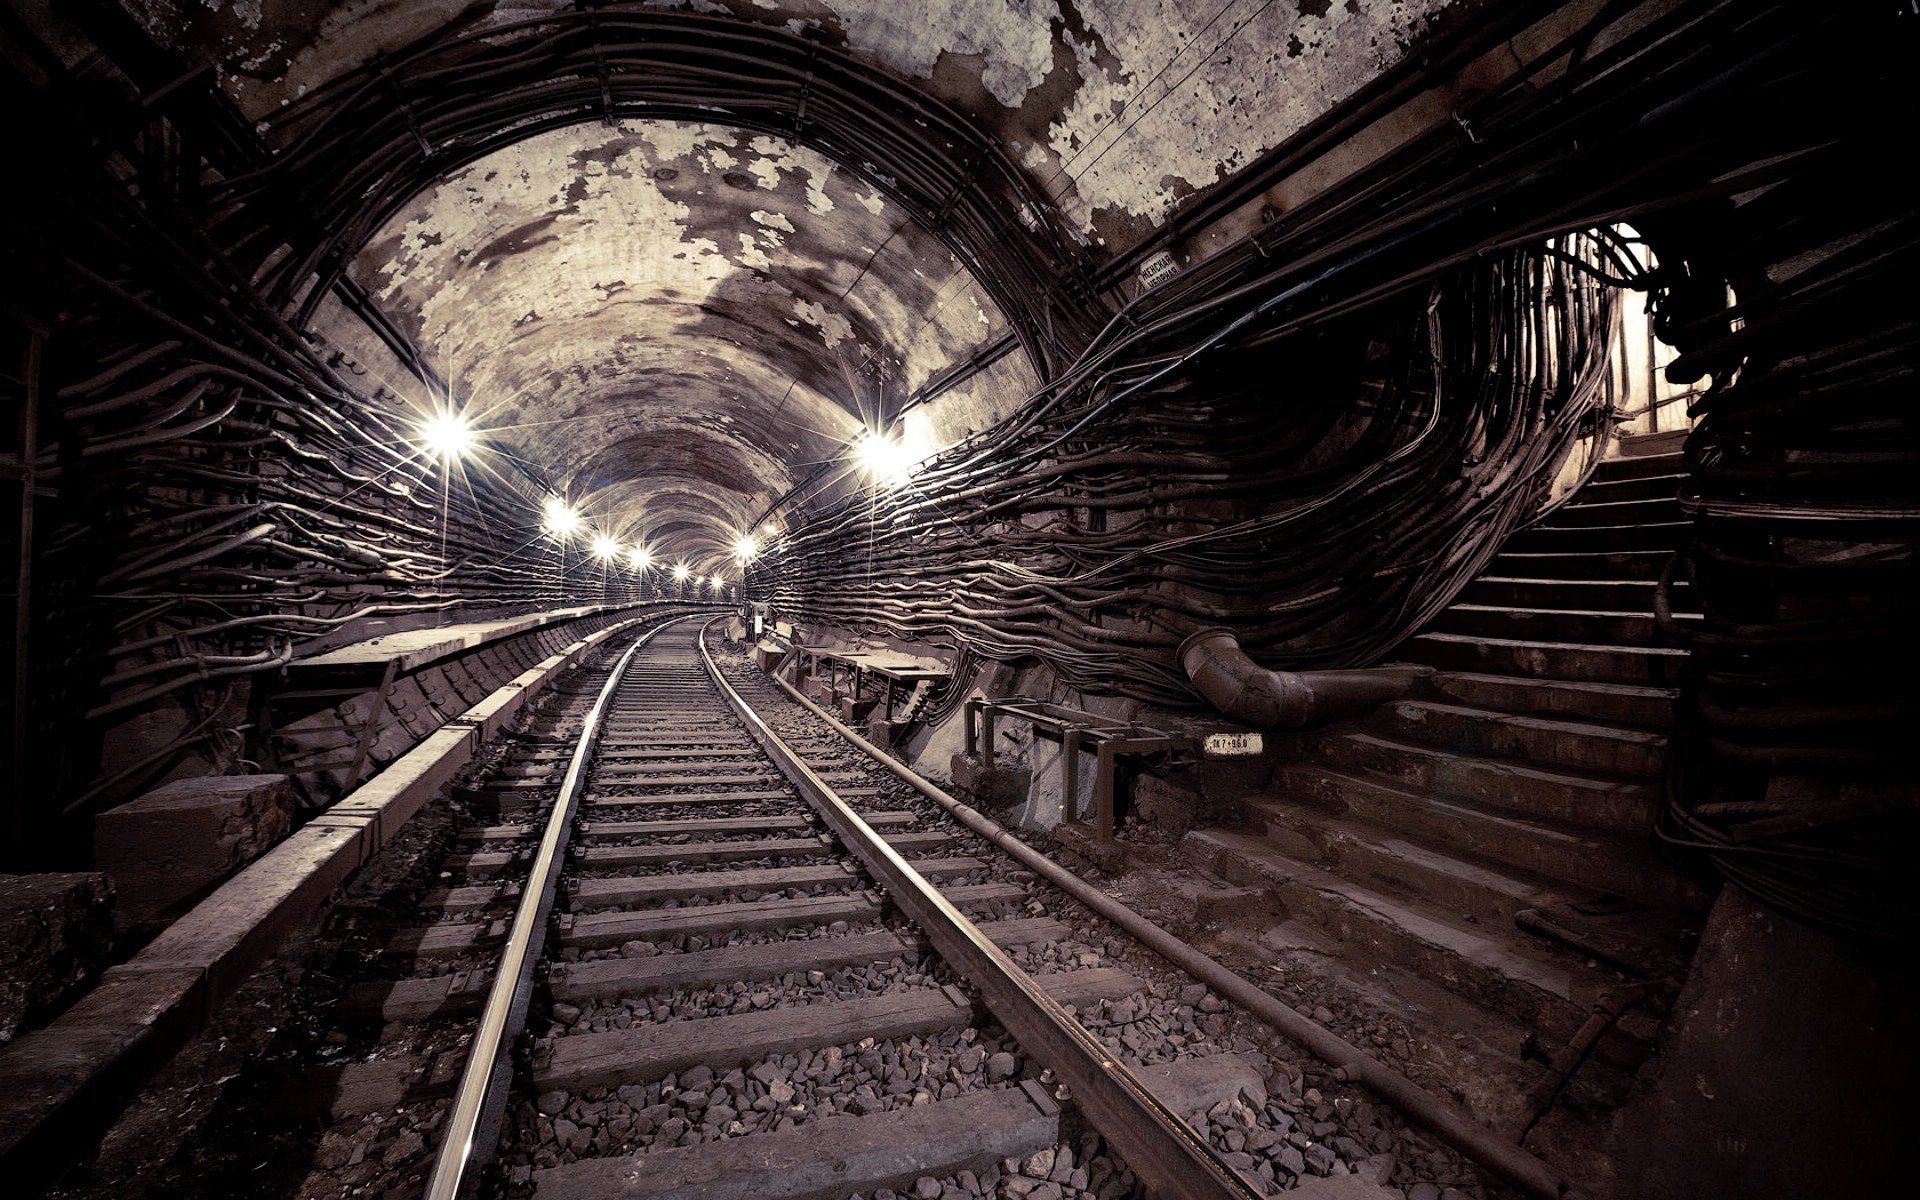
{"points": [[1477, 856]]}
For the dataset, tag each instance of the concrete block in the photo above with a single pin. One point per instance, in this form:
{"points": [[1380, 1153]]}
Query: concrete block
{"points": [[1166, 804], [55, 933], [856, 712], [998, 786], [397, 792], [881, 732], [56, 1082], [175, 844], [231, 932]]}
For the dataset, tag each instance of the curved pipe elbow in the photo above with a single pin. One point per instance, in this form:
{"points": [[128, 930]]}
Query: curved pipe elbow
{"points": [[1240, 688]]}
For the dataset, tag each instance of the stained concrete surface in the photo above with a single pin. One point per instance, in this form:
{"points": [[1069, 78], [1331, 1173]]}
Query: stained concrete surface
{"points": [[1121, 107], [1745, 1102], [55, 932]]}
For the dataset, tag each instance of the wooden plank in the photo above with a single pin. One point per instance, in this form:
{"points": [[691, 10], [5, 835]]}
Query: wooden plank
{"points": [[485, 864], [470, 898], [599, 800], [645, 1052], [348, 1089], [590, 931], [612, 978], [592, 857], [879, 820], [417, 999], [681, 774], [700, 750], [668, 799], [596, 931], [494, 833], [680, 781], [598, 829], [446, 939], [825, 1159], [653, 889]]}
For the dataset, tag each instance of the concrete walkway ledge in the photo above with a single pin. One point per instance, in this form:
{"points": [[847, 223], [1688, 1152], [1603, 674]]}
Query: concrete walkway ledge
{"points": [[64, 1085]]}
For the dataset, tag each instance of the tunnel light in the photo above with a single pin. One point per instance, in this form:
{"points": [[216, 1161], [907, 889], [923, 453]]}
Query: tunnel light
{"points": [[447, 435], [605, 547], [680, 572], [561, 519], [745, 548], [883, 458], [639, 559]]}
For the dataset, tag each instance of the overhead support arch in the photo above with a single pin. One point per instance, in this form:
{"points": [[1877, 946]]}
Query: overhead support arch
{"points": [[350, 153]]}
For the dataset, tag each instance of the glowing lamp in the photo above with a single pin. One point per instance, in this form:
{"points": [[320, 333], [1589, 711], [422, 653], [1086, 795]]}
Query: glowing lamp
{"points": [[561, 519], [446, 435]]}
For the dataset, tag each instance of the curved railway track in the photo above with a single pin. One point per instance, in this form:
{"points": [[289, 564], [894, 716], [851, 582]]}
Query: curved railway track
{"points": [[716, 951]]}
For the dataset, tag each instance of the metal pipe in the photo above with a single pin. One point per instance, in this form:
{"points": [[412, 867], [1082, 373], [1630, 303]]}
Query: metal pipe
{"points": [[1423, 1108], [1246, 691]]}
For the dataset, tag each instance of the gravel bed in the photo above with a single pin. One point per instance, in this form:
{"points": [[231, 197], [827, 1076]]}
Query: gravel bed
{"points": [[1306, 1123]]}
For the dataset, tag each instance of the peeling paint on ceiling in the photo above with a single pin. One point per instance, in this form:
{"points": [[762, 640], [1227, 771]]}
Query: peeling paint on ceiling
{"points": [[672, 320], [685, 318], [1168, 105], [1172, 96]]}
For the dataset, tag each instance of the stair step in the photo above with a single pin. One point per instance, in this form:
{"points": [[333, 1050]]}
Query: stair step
{"points": [[1622, 866], [1598, 627], [1646, 666], [1584, 511], [1581, 564], [1550, 742], [1381, 857], [1643, 487], [1638, 466], [1509, 786], [1500, 968], [1665, 535], [1605, 703], [1591, 595]]}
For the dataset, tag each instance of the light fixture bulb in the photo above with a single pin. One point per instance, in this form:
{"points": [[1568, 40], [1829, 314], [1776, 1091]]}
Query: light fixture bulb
{"points": [[446, 435], [639, 559], [886, 460], [561, 519], [745, 547], [605, 547], [681, 571]]}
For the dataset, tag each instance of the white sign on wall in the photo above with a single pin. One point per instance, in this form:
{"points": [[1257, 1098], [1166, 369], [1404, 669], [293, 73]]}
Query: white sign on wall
{"points": [[1234, 745]]}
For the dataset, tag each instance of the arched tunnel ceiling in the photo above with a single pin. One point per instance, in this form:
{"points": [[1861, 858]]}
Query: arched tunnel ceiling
{"points": [[1120, 108], [673, 322]]}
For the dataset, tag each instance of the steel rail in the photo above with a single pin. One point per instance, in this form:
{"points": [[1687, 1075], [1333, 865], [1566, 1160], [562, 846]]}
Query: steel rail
{"points": [[1458, 1129], [513, 980], [1162, 1149]]}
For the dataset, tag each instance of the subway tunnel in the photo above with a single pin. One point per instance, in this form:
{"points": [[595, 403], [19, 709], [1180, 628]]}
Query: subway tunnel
{"points": [[1017, 599]]}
